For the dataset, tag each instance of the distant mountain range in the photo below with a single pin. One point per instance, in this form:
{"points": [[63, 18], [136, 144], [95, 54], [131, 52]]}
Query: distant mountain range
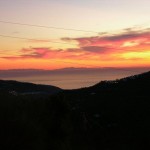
{"points": [[32, 72]]}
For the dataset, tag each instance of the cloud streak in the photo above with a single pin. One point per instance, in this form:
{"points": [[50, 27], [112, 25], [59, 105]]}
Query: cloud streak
{"points": [[110, 39], [105, 47]]}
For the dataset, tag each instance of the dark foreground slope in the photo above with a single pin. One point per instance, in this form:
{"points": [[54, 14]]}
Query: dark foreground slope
{"points": [[112, 115], [115, 114]]}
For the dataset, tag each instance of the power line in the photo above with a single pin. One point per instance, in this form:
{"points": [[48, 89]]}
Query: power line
{"points": [[23, 38], [52, 27], [48, 27], [57, 28]]}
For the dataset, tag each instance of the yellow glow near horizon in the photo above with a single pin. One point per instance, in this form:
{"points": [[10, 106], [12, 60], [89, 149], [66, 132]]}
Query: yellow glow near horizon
{"points": [[137, 55]]}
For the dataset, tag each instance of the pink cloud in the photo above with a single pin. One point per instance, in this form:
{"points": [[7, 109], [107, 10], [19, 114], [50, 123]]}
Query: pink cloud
{"points": [[113, 39], [104, 47]]}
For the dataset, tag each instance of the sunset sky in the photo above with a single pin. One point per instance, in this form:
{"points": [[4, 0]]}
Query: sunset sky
{"points": [[94, 33]]}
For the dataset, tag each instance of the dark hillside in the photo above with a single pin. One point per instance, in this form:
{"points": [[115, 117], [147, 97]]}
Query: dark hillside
{"points": [[112, 115], [115, 114], [27, 88]]}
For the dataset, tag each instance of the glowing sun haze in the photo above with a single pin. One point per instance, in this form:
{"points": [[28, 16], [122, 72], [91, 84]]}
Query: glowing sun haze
{"points": [[120, 34]]}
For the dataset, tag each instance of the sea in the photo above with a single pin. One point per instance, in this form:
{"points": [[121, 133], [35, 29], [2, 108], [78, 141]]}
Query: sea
{"points": [[72, 78]]}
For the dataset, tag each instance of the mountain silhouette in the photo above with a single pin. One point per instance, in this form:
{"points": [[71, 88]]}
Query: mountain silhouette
{"points": [[26, 88], [111, 115], [114, 114]]}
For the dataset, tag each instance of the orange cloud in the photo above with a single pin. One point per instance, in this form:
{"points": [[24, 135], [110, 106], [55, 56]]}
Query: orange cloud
{"points": [[104, 49]]}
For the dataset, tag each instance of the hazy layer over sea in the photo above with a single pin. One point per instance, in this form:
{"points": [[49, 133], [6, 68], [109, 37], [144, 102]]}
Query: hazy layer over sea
{"points": [[69, 78]]}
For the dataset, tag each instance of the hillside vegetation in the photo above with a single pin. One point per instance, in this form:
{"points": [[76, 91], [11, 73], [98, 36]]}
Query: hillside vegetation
{"points": [[109, 115]]}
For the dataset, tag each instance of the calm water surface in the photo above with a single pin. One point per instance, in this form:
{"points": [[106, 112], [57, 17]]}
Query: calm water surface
{"points": [[72, 80]]}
